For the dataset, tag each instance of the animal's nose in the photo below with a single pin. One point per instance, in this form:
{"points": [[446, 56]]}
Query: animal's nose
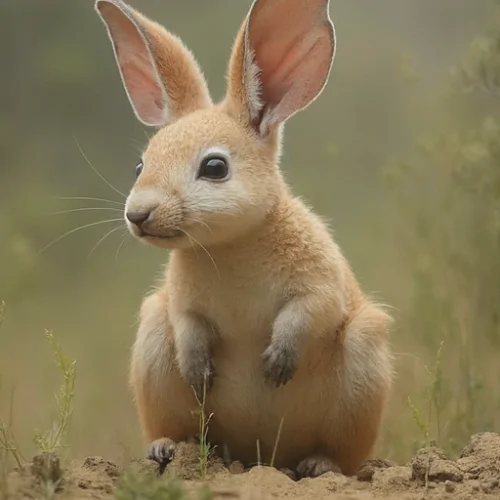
{"points": [[138, 217]]}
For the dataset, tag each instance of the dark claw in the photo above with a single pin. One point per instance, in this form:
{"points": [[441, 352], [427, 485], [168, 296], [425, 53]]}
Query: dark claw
{"points": [[316, 466], [280, 365], [161, 451]]}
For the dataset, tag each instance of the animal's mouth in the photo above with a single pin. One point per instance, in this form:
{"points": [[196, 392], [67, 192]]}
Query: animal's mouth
{"points": [[167, 235]]}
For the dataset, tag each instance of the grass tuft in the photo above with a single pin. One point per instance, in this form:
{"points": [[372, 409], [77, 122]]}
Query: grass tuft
{"points": [[9, 448], [149, 486], [204, 420], [433, 401], [54, 439]]}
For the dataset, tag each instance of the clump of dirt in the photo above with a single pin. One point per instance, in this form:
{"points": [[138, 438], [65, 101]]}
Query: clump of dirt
{"points": [[432, 464], [480, 461], [95, 475], [430, 474], [368, 469], [186, 464]]}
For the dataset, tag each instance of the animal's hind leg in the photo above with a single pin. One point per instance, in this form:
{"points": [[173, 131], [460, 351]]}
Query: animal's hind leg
{"points": [[346, 451], [367, 381], [364, 379], [165, 402]]}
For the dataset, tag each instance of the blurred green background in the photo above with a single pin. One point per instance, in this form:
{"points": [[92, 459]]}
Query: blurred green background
{"points": [[401, 154]]}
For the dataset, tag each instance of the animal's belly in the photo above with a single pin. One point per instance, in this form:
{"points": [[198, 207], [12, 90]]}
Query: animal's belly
{"points": [[250, 415]]}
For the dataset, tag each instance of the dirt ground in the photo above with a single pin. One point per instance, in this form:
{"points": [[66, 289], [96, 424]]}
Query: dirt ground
{"points": [[475, 475]]}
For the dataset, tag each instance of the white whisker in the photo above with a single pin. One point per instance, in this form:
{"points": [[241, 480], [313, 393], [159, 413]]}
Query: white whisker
{"points": [[101, 240], [206, 251], [87, 198], [120, 246], [191, 240], [46, 247], [85, 209], [97, 172], [199, 221]]}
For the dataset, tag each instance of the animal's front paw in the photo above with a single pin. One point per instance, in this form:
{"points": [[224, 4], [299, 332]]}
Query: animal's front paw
{"points": [[162, 451], [280, 364], [199, 374]]}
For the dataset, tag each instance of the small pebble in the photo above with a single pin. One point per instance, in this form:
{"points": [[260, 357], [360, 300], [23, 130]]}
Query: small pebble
{"points": [[449, 487], [475, 487], [236, 468]]}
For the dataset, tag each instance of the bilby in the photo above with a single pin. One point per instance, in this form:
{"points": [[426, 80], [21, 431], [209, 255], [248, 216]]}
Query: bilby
{"points": [[258, 305]]}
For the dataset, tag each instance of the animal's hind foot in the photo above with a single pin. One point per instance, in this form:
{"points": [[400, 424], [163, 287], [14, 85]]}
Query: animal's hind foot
{"points": [[161, 451], [316, 466]]}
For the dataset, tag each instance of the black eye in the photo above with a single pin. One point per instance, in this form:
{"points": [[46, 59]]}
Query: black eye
{"points": [[214, 168], [138, 169]]}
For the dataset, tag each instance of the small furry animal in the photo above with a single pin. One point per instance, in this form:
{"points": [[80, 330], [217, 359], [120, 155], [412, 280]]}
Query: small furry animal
{"points": [[258, 310]]}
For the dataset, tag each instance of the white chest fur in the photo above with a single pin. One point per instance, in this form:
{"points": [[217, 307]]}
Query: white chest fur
{"points": [[240, 300]]}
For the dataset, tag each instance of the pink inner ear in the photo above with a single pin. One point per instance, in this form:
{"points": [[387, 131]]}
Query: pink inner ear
{"points": [[144, 91], [299, 80], [137, 67], [293, 45]]}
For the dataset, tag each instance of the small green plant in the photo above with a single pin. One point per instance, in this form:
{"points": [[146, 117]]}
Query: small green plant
{"points": [[147, 486], [136, 486], [8, 444], [204, 421], [419, 420], [434, 392], [54, 439], [46, 466]]}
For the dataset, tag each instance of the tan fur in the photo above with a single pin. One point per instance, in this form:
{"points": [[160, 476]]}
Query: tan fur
{"points": [[254, 283]]}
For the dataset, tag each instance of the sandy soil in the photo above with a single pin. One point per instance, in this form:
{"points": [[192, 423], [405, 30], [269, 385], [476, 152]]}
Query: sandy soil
{"points": [[475, 475]]}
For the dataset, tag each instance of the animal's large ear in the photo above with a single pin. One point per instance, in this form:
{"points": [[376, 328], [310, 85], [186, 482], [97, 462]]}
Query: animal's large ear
{"points": [[280, 61], [161, 76]]}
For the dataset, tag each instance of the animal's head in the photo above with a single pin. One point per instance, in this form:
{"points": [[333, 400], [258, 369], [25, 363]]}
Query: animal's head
{"points": [[211, 170]]}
